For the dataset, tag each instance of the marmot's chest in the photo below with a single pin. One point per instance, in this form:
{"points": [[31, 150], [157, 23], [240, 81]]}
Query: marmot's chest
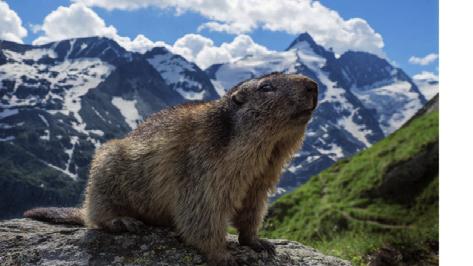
{"points": [[244, 172]]}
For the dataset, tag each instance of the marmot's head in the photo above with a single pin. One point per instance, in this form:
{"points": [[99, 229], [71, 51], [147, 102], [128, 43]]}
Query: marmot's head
{"points": [[275, 102]]}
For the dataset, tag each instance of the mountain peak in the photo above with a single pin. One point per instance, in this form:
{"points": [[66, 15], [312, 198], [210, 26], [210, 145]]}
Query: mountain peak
{"points": [[305, 37], [158, 50], [305, 41], [302, 38], [95, 46], [96, 40], [366, 68]]}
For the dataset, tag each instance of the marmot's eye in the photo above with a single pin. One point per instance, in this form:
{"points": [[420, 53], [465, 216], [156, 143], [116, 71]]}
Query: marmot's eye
{"points": [[267, 88]]}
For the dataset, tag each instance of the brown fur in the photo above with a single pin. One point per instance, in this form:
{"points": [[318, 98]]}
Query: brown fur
{"points": [[57, 215], [198, 167]]}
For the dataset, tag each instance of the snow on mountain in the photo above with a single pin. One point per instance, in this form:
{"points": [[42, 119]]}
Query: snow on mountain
{"points": [[128, 110], [381, 87], [60, 101], [184, 77], [8, 112], [231, 74], [428, 84], [48, 83], [391, 113], [37, 78]]}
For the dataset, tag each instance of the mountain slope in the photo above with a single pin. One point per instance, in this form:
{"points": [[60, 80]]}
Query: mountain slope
{"points": [[182, 76], [60, 101], [362, 99], [27, 182], [428, 84], [381, 87], [380, 206]]}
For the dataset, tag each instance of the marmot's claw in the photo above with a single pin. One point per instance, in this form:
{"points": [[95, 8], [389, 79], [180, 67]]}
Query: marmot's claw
{"points": [[129, 224], [268, 246], [134, 226], [259, 245]]}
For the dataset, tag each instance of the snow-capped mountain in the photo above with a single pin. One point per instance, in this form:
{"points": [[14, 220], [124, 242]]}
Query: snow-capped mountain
{"points": [[362, 98], [428, 84], [381, 87], [182, 76], [60, 101]]}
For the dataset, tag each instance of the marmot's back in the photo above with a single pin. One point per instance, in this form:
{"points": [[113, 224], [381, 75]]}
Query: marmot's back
{"points": [[167, 120]]}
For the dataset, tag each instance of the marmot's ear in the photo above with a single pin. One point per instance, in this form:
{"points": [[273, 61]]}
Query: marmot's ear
{"points": [[239, 97]]}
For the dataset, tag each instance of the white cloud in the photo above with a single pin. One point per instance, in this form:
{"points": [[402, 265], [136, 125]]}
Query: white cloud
{"points": [[423, 61], [74, 21], [140, 44], [190, 45], [232, 28], [203, 52], [292, 16], [11, 28], [78, 20], [35, 28], [426, 76]]}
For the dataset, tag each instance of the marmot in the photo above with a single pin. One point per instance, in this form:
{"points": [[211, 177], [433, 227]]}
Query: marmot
{"points": [[199, 166]]}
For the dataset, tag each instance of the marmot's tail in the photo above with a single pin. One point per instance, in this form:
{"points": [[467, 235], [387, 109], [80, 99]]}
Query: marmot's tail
{"points": [[56, 215]]}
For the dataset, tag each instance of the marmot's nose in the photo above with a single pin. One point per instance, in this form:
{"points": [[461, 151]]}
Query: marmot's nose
{"points": [[311, 87]]}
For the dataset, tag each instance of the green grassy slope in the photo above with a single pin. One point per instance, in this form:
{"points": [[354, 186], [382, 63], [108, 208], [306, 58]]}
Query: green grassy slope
{"points": [[380, 206]]}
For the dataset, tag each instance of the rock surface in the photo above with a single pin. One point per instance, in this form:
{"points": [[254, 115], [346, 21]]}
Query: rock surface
{"points": [[28, 242]]}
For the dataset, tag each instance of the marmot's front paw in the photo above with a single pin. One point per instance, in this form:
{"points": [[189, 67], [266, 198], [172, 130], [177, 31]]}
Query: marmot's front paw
{"points": [[259, 245], [126, 224]]}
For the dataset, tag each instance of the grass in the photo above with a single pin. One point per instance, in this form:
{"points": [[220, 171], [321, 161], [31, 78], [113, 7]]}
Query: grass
{"points": [[339, 212]]}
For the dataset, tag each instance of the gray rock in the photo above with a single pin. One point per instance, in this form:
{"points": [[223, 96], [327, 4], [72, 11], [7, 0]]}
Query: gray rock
{"points": [[28, 242]]}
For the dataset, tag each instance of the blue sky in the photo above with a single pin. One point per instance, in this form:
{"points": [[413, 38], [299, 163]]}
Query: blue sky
{"points": [[407, 28]]}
